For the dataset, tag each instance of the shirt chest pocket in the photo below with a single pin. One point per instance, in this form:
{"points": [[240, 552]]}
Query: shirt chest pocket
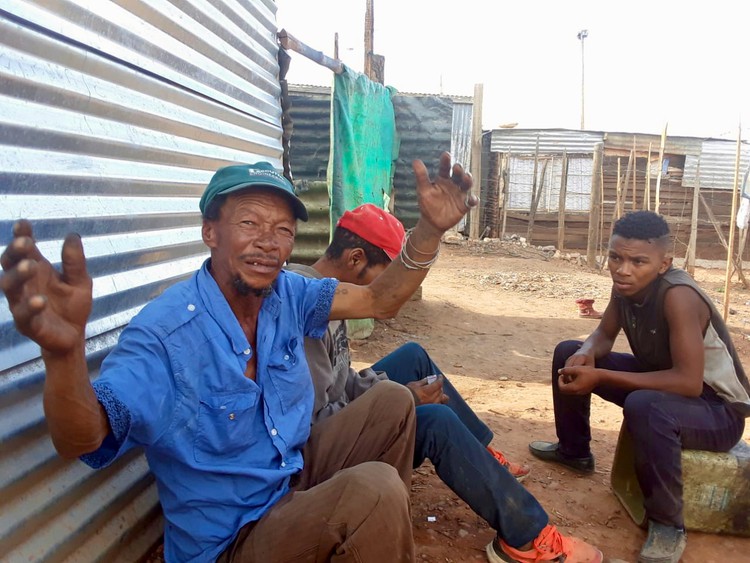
{"points": [[290, 375], [225, 427]]}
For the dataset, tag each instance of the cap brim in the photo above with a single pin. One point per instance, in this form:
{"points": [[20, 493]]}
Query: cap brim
{"points": [[300, 211]]}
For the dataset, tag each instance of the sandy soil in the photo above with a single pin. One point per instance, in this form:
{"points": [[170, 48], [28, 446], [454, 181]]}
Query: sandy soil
{"points": [[490, 316]]}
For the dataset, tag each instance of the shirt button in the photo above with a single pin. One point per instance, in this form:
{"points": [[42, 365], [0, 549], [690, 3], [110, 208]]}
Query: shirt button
{"points": [[283, 464], [231, 416], [246, 352], [274, 432], [191, 307], [286, 356]]}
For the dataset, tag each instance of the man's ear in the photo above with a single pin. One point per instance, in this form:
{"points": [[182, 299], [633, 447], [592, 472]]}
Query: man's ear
{"points": [[209, 234], [356, 261], [665, 264]]}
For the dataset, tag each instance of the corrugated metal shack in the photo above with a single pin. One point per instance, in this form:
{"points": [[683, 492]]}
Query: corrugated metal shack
{"points": [[511, 159], [113, 116], [427, 125]]}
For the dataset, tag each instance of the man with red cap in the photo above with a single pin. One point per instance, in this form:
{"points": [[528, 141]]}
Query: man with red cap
{"points": [[448, 432]]}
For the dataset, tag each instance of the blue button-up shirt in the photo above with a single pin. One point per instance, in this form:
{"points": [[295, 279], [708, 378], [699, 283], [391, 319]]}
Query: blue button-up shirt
{"points": [[221, 446]]}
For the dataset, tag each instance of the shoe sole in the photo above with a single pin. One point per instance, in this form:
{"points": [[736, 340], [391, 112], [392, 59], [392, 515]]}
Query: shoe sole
{"points": [[495, 557], [562, 463]]}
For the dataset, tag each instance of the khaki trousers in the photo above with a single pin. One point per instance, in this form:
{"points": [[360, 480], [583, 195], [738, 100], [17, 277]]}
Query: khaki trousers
{"points": [[350, 503]]}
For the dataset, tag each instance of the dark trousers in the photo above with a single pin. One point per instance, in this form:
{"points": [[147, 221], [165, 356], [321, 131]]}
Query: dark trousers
{"points": [[453, 438], [661, 424], [411, 362]]}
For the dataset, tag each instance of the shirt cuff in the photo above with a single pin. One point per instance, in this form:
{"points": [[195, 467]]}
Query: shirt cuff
{"points": [[323, 307], [119, 422]]}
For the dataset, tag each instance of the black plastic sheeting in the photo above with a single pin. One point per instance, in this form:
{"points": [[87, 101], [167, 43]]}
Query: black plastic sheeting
{"points": [[424, 125]]}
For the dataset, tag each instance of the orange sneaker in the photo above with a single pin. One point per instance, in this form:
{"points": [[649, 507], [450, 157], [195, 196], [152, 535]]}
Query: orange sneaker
{"points": [[550, 545], [518, 471]]}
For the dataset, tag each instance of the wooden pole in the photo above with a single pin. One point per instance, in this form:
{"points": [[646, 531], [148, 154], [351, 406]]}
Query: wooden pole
{"points": [[534, 178], [722, 238], [291, 43], [657, 203], [561, 202], [626, 183], [596, 206], [476, 157], [601, 242], [369, 38], [635, 175], [690, 258], [732, 220], [647, 189], [618, 191], [535, 203], [506, 194]]}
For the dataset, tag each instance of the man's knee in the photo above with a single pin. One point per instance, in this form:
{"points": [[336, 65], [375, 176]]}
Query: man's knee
{"points": [[566, 348], [563, 351], [375, 483], [396, 396], [436, 418]]}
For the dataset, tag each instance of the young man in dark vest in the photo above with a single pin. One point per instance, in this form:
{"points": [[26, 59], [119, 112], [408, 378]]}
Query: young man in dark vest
{"points": [[682, 387]]}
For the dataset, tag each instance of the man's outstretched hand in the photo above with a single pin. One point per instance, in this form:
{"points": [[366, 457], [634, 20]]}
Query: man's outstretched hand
{"points": [[48, 306], [446, 198]]}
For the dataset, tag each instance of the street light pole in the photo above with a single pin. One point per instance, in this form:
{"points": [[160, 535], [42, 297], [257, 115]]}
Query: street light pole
{"points": [[583, 34]]}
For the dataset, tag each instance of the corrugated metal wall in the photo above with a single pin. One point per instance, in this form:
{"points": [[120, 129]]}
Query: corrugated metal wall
{"points": [[424, 125], [717, 160], [113, 116], [309, 151], [427, 125], [551, 141]]}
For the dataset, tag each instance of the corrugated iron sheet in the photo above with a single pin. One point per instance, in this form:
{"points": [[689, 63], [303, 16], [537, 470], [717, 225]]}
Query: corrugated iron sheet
{"points": [[717, 162], [427, 125], [522, 142], [113, 116], [309, 151], [425, 129], [622, 144]]}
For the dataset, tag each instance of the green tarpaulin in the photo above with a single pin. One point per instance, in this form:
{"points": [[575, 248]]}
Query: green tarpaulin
{"points": [[364, 144], [364, 149]]}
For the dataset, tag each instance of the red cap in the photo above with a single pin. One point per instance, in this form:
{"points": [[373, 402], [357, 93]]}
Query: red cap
{"points": [[376, 226]]}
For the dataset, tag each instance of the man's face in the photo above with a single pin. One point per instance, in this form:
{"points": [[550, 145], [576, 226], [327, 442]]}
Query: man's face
{"points": [[251, 239], [368, 275], [634, 264]]}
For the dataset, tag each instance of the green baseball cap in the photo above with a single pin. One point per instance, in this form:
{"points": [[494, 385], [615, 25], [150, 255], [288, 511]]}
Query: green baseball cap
{"points": [[237, 177]]}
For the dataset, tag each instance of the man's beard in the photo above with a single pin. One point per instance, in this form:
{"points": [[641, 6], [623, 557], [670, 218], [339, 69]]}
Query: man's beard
{"points": [[245, 290]]}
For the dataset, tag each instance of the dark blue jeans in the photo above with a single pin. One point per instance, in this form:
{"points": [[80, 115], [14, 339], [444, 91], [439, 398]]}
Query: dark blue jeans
{"points": [[660, 423], [453, 438], [410, 363]]}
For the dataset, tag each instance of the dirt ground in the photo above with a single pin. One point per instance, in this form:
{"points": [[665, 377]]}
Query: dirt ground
{"points": [[490, 316]]}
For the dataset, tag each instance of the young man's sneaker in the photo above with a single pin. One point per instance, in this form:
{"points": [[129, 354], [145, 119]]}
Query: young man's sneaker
{"points": [[518, 471], [664, 544], [549, 545]]}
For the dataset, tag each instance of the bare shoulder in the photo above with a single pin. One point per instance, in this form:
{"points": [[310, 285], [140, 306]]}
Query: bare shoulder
{"points": [[683, 302]]}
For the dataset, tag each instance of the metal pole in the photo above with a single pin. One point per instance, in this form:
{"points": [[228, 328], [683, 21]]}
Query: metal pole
{"points": [[583, 34]]}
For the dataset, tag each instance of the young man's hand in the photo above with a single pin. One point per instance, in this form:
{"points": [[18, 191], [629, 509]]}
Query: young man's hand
{"points": [[578, 380], [427, 393]]}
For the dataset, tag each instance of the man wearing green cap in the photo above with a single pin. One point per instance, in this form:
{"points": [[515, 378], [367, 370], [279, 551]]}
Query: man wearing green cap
{"points": [[211, 380]]}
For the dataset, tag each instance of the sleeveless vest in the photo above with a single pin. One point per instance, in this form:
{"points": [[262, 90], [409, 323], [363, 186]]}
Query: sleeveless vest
{"points": [[645, 326]]}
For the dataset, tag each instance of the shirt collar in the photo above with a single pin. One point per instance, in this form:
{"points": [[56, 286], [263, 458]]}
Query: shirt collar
{"points": [[217, 306]]}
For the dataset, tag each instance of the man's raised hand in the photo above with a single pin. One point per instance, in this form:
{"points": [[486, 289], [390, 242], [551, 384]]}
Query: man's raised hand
{"points": [[48, 306], [446, 198]]}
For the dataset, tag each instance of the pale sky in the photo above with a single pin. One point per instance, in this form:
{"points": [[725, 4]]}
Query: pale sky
{"points": [[646, 62]]}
